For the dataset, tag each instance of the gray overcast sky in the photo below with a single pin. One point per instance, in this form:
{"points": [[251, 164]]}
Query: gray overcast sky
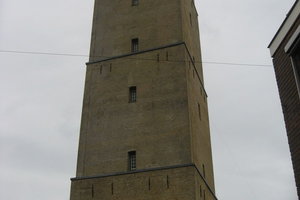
{"points": [[41, 97]]}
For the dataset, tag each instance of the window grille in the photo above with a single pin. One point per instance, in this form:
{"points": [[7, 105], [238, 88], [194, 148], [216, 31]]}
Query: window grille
{"points": [[135, 45], [132, 94], [132, 160]]}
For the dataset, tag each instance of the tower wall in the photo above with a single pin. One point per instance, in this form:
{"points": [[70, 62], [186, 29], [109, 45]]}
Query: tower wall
{"points": [[167, 126], [156, 23], [156, 126]]}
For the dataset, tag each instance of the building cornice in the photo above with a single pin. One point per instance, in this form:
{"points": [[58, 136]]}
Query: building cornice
{"points": [[154, 49], [285, 28], [149, 170]]}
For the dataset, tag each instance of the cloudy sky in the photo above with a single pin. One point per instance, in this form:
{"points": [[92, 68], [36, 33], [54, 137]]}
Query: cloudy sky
{"points": [[41, 97]]}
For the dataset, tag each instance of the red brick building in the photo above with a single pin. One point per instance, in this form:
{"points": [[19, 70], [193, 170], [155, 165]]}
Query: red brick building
{"points": [[285, 51]]}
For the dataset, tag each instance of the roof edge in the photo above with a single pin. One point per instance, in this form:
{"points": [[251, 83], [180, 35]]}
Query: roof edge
{"points": [[284, 27]]}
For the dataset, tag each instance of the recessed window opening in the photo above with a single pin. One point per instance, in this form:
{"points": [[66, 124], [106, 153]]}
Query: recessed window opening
{"points": [[200, 191], [132, 94], [199, 112], [135, 45], [135, 2], [191, 22], [132, 160]]}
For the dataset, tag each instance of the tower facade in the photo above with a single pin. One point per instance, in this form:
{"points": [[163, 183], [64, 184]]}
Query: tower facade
{"points": [[145, 129]]}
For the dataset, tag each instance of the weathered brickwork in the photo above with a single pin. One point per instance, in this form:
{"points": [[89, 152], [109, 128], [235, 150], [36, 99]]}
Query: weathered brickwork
{"points": [[289, 100], [180, 183], [166, 126]]}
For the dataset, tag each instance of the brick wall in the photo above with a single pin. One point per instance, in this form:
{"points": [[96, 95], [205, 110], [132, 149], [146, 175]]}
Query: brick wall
{"points": [[290, 101]]}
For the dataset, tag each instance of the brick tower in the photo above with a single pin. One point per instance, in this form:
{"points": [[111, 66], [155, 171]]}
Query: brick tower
{"points": [[145, 130]]}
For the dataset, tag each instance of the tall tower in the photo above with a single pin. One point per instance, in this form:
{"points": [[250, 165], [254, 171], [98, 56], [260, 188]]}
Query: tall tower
{"points": [[145, 130]]}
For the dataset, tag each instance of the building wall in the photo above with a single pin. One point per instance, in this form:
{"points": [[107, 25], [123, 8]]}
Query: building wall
{"points": [[156, 126], [182, 183], [289, 101], [156, 23], [199, 124]]}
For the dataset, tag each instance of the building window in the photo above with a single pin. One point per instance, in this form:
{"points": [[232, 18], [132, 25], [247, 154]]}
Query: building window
{"points": [[199, 111], [132, 160], [200, 191], [135, 2], [135, 45], [191, 21], [203, 168], [132, 94]]}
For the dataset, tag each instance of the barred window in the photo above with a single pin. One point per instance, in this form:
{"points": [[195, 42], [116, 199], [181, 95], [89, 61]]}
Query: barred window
{"points": [[135, 45], [132, 94], [132, 160]]}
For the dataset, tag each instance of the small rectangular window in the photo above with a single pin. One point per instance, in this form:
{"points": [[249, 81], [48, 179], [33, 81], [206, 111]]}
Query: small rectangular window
{"points": [[132, 94], [135, 45], [135, 2], [132, 160]]}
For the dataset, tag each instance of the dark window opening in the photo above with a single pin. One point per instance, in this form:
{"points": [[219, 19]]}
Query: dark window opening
{"points": [[200, 191], [191, 22], [92, 190], [132, 160], [135, 45], [132, 94], [135, 2], [199, 111], [203, 168]]}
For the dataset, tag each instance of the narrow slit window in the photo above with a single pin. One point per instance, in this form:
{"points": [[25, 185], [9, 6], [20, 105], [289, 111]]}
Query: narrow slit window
{"points": [[132, 160], [200, 191], [199, 111], [135, 45], [191, 21], [132, 94], [135, 2]]}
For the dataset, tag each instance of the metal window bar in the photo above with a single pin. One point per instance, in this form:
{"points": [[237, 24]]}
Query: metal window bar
{"points": [[132, 160], [132, 94], [135, 45]]}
